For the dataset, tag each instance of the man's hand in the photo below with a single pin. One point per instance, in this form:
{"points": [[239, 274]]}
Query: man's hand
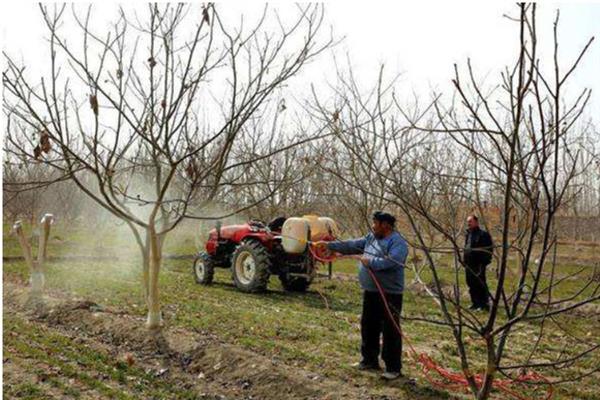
{"points": [[322, 248], [322, 245]]}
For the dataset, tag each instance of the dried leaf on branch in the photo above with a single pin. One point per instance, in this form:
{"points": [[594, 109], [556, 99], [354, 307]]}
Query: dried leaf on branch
{"points": [[336, 116], [37, 152], [45, 144], [191, 170], [205, 16], [94, 104]]}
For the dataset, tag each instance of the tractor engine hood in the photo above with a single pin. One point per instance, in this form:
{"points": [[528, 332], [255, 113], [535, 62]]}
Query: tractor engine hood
{"points": [[227, 231], [231, 232]]}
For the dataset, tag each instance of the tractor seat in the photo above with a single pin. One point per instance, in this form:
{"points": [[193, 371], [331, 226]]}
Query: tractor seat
{"points": [[276, 224]]}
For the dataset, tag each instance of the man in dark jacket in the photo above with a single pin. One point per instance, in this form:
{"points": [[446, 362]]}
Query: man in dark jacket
{"points": [[477, 255], [384, 252]]}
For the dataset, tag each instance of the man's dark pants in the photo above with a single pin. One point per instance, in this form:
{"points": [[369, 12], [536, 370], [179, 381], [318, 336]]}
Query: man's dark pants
{"points": [[374, 322], [477, 283]]}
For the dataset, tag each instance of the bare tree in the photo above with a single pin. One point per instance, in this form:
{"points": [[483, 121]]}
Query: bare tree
{"points": [[148, 117], [516, 148]]}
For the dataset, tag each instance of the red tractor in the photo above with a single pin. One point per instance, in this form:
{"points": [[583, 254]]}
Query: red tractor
{"points": [[253, 251]]}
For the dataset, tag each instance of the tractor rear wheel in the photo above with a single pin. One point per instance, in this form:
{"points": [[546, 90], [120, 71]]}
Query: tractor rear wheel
{"points": [[204, 269], [294, 283], [250, 266]]}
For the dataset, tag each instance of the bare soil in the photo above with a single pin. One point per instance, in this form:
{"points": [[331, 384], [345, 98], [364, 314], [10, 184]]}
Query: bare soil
{"points": [[195, 360]]}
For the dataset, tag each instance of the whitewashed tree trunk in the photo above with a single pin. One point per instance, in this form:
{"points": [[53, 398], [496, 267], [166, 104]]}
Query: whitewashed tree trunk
{"points": [[146, 265], [36, 267], [26, 248], [154, 320], [38, 274]]}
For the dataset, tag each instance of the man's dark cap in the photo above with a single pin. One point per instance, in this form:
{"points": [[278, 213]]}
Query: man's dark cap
{"points": [[382, 216]]}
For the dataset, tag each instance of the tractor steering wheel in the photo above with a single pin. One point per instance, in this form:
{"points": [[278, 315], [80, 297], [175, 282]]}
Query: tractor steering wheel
{"points": [[258, 222]]}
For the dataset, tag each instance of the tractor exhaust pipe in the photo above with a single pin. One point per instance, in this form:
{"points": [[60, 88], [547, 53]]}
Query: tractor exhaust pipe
{"points": [[218, 228]]}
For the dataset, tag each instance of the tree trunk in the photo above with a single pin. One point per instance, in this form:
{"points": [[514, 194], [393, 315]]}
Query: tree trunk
{"points": [[36, 283], [490, 371], [38, 272], [154, 320], [146, 265], [144, 246], [36, 267]]}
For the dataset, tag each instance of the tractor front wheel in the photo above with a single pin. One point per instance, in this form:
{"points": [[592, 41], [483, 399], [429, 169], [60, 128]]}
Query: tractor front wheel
{"points": [[250, 266], [204, 269]]}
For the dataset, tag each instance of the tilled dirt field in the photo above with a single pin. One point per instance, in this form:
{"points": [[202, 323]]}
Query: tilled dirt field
{"points": [[40, 358]]}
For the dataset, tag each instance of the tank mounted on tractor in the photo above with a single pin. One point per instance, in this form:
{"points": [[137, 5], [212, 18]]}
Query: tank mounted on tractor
{"points": [[256, 250]]}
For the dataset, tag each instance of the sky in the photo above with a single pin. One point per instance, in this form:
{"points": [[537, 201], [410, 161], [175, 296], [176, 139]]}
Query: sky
{"points": [[418, 40], [422, 40]]}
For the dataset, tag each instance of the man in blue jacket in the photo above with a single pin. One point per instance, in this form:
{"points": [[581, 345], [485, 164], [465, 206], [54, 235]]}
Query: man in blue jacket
{"points": [[384, 251]]}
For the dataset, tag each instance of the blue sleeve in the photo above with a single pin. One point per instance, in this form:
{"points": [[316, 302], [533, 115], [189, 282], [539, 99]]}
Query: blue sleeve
{"points": [[352, 246], [395, 258]]}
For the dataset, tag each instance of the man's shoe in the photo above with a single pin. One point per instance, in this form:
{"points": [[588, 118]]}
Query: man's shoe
{"points": [[365, 366], [390, 376]]}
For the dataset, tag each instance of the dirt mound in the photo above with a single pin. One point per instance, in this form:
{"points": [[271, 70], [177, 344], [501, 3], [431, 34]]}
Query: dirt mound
{"points": [[106, 325], [266, 377]]}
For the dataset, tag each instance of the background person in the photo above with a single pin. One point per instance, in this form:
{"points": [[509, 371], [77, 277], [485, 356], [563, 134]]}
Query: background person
{"points": [[477, 255]]}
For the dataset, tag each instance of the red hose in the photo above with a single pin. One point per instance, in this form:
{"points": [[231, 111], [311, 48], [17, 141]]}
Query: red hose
{"points": [[320, 252], [451, 381]]}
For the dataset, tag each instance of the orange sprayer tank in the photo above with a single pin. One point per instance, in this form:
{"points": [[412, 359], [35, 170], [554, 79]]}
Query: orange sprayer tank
{"points": [[295, 235], [332, 228], [321, 227]]}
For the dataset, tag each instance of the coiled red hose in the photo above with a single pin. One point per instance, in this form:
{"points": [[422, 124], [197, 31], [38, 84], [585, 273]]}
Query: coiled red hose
{"points": [[450, 380]]}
